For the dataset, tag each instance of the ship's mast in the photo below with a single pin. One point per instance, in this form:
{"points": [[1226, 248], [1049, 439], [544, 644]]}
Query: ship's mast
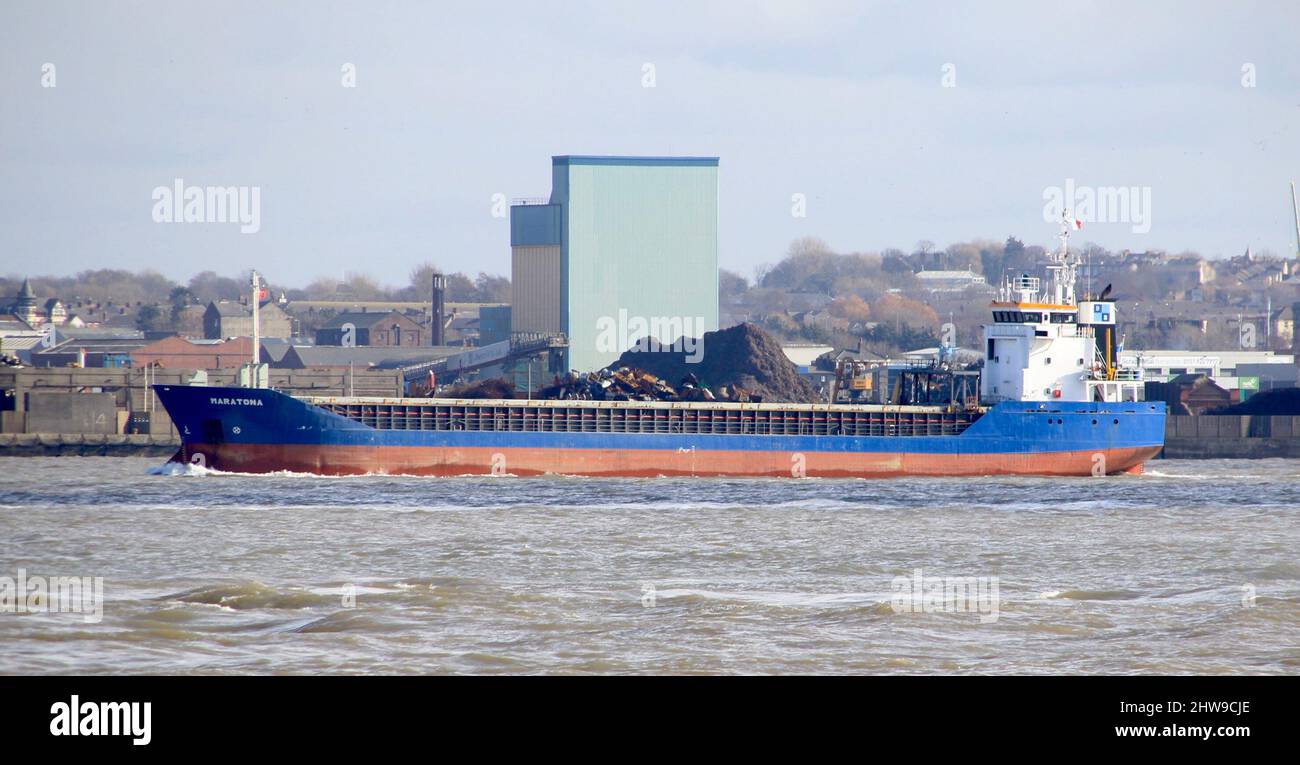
{"points": [[257, 291], [1064, 266]]}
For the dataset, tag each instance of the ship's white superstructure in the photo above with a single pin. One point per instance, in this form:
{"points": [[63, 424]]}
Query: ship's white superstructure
{"points": [[1045, 345]]}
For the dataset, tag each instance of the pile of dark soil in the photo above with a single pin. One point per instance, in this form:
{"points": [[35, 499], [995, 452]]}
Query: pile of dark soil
{"points": [[490, 388], [743, 355], [1279, 401]]}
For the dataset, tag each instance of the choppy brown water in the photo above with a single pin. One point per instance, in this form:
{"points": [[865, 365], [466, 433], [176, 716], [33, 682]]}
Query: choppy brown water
{"points": [[242, 574]]}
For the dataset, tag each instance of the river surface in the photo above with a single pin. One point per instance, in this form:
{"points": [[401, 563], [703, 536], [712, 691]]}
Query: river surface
{"points": [[1193, 567]]}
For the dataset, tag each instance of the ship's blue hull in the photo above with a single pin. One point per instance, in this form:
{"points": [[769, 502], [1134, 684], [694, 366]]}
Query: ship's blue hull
{"points": [[250, 430]]}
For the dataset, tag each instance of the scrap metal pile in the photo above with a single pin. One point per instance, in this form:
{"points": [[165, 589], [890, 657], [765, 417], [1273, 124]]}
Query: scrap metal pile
{"points": [[631, 384]]}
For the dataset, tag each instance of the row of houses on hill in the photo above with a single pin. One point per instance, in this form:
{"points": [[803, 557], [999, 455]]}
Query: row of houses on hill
{"points": [[359, 327]]}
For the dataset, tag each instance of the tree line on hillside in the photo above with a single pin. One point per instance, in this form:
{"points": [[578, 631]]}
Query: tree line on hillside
{"points": [[811, 267], [811, 294], [158, 301], [817, 295], [814, 294]]}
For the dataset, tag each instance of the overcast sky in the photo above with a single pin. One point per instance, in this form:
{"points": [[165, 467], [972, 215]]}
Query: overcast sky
{"points": [[454, 103]]}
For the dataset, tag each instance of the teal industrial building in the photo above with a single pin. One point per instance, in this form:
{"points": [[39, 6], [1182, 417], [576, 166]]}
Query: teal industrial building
{"points": [[624, 248]]}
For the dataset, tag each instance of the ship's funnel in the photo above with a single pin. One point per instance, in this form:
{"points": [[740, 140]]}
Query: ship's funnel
{"points": [[1100, 315]]}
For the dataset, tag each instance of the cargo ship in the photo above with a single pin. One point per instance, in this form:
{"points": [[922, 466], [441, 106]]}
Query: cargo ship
{"points": [[1051, 401]]}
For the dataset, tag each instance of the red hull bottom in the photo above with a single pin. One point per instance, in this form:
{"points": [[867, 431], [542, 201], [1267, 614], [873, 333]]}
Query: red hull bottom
{"points": [[451, 461]]}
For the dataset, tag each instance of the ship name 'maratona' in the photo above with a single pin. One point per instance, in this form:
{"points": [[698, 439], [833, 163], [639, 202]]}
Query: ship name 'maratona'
{"points": [[235, 401]]}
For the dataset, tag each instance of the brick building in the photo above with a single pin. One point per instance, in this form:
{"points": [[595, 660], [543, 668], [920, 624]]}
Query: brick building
{"points": [[233, 318], [180, 353], [372, 328]]}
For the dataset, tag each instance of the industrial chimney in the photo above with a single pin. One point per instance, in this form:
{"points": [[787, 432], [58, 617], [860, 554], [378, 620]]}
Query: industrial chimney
{"points": [[439, 310]]}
